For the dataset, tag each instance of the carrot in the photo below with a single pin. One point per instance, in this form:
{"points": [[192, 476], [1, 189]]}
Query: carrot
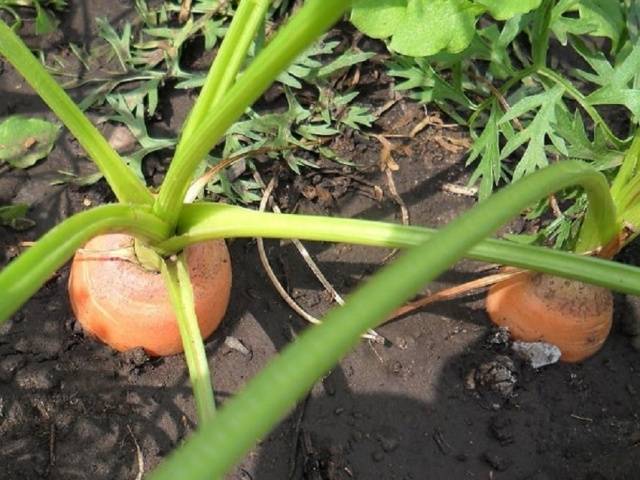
{"points": [[574, 316], [126, 306]]}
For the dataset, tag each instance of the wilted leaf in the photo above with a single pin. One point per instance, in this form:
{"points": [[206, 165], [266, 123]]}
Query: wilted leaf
{"points": [[24, 141]]}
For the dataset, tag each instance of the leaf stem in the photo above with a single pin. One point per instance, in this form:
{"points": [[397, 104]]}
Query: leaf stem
{"points": [[310, 21], [124, 183], [503, 89], [204, 221], [176, 277], [26, 274], [246, 20]]}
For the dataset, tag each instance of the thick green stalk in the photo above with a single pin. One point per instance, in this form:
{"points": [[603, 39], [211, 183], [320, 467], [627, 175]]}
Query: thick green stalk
{"points": [[266, 399], [204, 221], [314, 18], [625, 192], [27, 273], [176, 278], [124, 183], [233, 51]]}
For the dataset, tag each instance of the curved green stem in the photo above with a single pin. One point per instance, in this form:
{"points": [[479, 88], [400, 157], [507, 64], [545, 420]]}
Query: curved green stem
{"points": [[124, 183], [314, 18], [248, 17], [27, 273], [205, 221], [214, 449], [176, 278], [580, 98]]}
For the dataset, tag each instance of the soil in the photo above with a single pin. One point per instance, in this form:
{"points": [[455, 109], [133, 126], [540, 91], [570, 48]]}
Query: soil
{"points": [[444, 398]]}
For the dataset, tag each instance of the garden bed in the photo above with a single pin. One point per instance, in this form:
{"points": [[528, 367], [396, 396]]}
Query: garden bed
{"points": [[426, 405]]}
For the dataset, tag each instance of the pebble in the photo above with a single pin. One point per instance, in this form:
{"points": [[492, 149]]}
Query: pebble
{"points": [[388, 444], [537, 354], [377, 456], [235, 344], [135, 357]]}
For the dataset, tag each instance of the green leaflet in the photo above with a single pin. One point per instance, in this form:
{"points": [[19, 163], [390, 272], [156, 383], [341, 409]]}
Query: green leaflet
{"points": [[487, 148], [572, 129], [602, 18], [536, 132], [503, 10], [24, 141], [430, 26], [378, 18], [615, 86], [425, 27], [606, 16]]}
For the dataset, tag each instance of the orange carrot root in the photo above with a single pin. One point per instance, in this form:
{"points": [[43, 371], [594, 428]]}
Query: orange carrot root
{"points": [[126, 306], [574, 316]]}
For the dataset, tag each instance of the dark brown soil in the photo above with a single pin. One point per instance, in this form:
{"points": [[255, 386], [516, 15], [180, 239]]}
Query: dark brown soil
{"points": [[445, 399]]}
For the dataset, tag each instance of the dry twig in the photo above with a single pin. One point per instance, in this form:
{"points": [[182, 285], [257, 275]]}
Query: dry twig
{"points": [[371, 335], [138, 454], [457, 291]]}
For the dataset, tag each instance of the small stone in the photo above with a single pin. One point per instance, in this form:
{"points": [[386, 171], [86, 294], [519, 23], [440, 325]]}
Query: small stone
{"points": [[470, 380], [122, 140], [388, 444], [235, 344], [537, 354], [136, 357], [405, 343], [377, 456]]}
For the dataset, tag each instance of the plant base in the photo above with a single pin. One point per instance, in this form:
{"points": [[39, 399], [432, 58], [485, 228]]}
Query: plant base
{"points": [[126, 306]]}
